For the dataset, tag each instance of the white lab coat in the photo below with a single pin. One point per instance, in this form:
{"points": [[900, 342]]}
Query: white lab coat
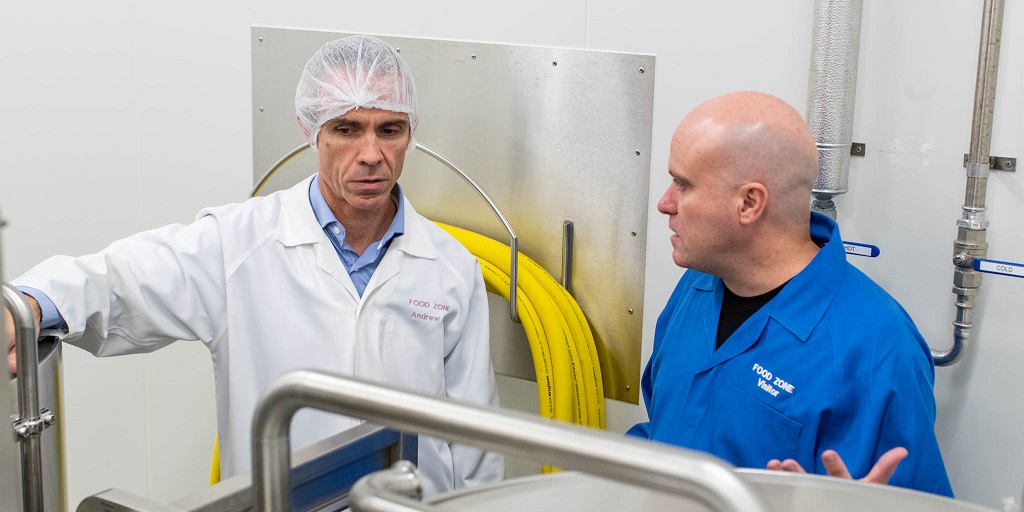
{"points": [[261, 285]]}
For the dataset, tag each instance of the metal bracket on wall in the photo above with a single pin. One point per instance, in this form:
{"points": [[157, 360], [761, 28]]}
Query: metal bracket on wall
{"points": [[997, 163], [858, 149], [568, 233]]}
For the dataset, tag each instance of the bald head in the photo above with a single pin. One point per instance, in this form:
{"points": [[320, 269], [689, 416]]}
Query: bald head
{"points": [[752, 136], [742, 168]]}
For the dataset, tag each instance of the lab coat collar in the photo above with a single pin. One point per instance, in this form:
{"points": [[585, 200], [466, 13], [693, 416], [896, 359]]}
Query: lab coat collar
{"points": [[298, 225]]}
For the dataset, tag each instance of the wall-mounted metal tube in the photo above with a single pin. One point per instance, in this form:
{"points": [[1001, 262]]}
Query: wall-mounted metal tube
{"points": [[832, 83], [668, 469], [30, 423], [971, 240]]}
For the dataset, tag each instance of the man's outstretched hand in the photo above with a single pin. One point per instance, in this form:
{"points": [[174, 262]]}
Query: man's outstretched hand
{"points": [[879, 474]]}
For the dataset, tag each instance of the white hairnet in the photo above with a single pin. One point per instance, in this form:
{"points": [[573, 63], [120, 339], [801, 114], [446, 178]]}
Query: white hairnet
{"points": [[350, 73]]}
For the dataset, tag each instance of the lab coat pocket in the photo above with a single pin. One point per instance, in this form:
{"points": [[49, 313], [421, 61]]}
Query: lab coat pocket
{"points": [[748, 432], [413, 352]]}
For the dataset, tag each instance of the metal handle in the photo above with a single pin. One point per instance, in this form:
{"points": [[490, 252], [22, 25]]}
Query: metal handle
{"points": [[663, 468], [513, 239], [859, 249], [31, 420], [1003, 268]]}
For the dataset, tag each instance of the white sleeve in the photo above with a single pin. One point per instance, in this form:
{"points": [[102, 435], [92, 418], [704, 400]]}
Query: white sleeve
{"points": [[140, 293], [469, 376]]}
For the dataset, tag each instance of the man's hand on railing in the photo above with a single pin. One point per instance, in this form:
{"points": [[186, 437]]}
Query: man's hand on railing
{"points": [[12, 364]]}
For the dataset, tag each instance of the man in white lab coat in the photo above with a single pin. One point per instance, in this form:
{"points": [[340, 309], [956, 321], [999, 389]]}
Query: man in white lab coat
{"points": [[338, 273]]}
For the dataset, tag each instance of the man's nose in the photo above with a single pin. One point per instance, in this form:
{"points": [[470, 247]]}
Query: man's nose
{"points": [[667, 203], [370, 151]]}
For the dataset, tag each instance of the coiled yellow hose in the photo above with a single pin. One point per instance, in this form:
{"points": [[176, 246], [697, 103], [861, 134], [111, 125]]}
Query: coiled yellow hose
{"points": [[566, 331]]}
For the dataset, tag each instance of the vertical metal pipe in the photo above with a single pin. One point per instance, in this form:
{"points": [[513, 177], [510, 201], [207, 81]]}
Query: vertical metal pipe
{"points": [[832, 87], [971, 240], [30, 423], [668, 469]]}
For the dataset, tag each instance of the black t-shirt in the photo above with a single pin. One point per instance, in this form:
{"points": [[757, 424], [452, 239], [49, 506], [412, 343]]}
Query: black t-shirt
{"points": [[736, 310]]}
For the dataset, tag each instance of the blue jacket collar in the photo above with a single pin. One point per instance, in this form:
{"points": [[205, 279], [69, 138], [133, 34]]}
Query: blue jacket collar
{"points": [[804, 300]]}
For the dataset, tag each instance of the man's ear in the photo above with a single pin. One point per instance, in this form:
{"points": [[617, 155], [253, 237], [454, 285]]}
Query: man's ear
{"points": [[753, 199]]}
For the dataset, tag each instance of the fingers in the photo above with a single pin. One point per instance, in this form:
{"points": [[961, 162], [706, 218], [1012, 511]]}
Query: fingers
{"points": [[886, 466], [834, 464], [788, 465], [9, 327], [37, 311]]}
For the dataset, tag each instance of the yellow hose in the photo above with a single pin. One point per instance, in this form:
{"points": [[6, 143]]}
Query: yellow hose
{"points": [[543, 332], [498, 283], [585, 345], [561, 311]]}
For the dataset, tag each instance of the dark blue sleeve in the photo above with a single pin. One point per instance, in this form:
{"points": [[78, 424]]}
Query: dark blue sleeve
{"points": [[909, 421], [887, 404], [51, 318]]}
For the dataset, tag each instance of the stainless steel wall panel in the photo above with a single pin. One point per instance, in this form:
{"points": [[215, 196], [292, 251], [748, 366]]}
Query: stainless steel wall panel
{"points": [[551, 135]]}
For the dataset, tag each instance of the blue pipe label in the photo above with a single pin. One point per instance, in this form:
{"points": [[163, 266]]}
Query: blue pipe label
{"points": [[1003, 268], [868, 251]]}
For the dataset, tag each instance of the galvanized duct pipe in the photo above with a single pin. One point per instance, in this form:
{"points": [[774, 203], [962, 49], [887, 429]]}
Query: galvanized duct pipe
{"points": [[970, 242], [835, 47]]}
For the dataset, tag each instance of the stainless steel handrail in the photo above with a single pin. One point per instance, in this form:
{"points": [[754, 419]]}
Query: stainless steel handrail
{"points": [[31, 419], [513, 239], [663, 468]]}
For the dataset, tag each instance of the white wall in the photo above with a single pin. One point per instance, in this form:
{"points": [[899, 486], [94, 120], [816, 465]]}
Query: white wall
{"points": [[118, 116]]}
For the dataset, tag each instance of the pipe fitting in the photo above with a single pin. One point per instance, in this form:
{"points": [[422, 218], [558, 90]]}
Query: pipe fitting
{"points": [[968, 279], [965, 296], [963, 260]]}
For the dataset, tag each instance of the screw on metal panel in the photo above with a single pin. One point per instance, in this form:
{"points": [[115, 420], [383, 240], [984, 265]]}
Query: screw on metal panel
{"points": [[642, 69], [261, 39], [261, 109], [638, 152], [632, 233], [473, 56], [627, 388], [554, 63], [631, 311], [399, 50], [1010, 504]]}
